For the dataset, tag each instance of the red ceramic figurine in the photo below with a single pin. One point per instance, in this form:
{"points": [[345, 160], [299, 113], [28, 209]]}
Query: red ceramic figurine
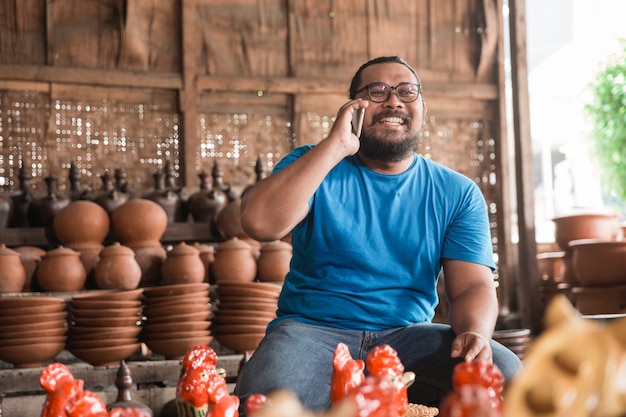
{"points": [[201, 391], [66, 397]]}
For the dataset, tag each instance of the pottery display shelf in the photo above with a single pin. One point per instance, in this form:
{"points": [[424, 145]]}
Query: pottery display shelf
{"points": [[23, 396]]}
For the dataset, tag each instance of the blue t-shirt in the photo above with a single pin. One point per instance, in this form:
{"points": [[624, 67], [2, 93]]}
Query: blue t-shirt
{"points": [[367, 255]]}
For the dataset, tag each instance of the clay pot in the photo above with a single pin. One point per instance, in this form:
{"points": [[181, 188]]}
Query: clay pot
{"points": [[228, 220], [6, 210], [12, 273], [234, 261], [31, 258], [183, 266], [82, 222], [139, 222], [61, 270], [273, 261], [150, 258], [205, 204], [41, 212], [117, 268], [585, 226], [89, 256], [207, 255], [599, 262]]}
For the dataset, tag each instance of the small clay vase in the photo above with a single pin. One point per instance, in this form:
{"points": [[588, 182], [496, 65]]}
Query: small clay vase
{"points": [[234, 262], [31, 258], [41, 211], [183, 266], [139, 222], [228, 220], [82, 222], [6, 210], [89, 256], [61, 270], [12, 273], [117, 269], [273, 261], [207, 255], [150, 258], [205, 204]]}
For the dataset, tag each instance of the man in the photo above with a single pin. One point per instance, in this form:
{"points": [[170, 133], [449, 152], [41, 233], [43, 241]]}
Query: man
{"points": [[372, 224]]}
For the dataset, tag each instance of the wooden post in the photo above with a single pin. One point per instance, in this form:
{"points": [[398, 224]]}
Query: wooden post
{"points": [[529, 274]]}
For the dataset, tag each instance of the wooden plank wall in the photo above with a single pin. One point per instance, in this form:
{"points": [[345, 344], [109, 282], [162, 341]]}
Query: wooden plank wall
{"points": [[199, 81]]}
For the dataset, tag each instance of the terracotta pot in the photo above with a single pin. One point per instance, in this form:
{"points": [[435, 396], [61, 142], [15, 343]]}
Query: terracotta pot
{"points": [[41, 211], [61, 270], [183, 266], [139, 222], [551, 266], [82, 222], [228, 220], [12, 273], [234, 261], [585, 226], [31, 258], [150, 258], [599, 262], [205, 204], [207, 255], [273, 261], [117, 268], [89, 256]]}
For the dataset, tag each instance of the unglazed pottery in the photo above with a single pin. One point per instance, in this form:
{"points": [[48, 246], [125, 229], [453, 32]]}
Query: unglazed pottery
{"points": [[12, 272], [117, 268]]}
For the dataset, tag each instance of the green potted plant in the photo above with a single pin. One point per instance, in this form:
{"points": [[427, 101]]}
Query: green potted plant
{"points": [[607, 110]]}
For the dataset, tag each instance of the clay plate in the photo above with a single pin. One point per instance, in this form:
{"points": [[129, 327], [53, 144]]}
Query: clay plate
{"points": [[182, 334], [175, 289], [106, 321], [195, 298], [98, 303], [32, 355], [226, 312], [36, 309], [180, 318], [170, 309], [81, 332], [110, 295], [220, 319], [105, 356], [32, 318], [34, 326], [238, 328], [176, 348], [150, 327], [17, 302], [9, 340], [92, 343], [106, 312], [240, 342]]}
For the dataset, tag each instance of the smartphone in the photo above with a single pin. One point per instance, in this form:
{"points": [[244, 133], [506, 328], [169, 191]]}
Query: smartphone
{"points": [[357, 122]]}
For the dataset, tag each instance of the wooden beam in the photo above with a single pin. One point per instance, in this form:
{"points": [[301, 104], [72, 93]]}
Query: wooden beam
{"points": [[529, 275], [119, 78]]}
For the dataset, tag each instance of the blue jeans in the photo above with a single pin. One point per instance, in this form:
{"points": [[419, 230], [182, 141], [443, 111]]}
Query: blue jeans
{"points": [[298, 357]]}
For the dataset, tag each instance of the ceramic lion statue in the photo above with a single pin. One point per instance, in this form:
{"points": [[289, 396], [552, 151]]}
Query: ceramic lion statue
{"points": [[575, 368]]}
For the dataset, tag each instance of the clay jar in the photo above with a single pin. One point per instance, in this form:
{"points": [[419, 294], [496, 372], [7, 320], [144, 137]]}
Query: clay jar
{"points": [[183, 266], [31, 258], [61, 270], [12, 273], [82, 226], [117, 268], [82, 223], [273, 262], [234, 262], [585, 226], [139, 222], [207, 254]]}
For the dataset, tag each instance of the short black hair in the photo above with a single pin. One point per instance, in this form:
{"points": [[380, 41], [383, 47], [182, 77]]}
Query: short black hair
{"points": [[356, 80]]}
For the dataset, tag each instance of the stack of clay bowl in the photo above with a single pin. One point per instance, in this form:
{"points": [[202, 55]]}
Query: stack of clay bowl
{"points": [[177, 318], [516, 340], [105, 326], [33, 330], [243, 311]]}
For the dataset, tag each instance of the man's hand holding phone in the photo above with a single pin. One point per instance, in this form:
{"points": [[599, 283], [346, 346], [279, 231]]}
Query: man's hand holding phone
{"points": [[357, 121]]}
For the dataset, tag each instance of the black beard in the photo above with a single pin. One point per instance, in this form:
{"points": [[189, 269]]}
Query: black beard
{"points": [[383, 150]]}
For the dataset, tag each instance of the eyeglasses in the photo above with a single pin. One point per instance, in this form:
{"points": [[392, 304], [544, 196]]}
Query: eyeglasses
{"points": [[380, 92]]}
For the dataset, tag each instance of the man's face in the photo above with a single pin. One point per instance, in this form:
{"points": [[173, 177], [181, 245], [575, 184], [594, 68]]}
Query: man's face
{"points": [[391, 129]]}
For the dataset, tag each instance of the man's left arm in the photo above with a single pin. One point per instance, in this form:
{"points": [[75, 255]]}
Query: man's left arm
{"points": [[472, 308]]}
